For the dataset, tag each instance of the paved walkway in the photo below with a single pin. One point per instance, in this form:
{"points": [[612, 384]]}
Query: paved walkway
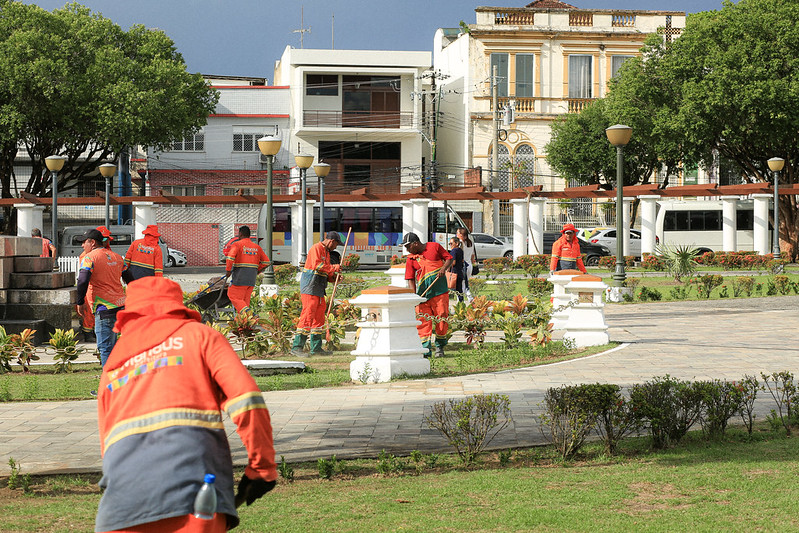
{"points": [[692, 340]]}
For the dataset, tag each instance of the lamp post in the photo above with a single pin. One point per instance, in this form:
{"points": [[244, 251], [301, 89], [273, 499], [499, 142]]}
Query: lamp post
{"points": [[54, 164], [107, 170], [322, 170], [776, 164], [619, 136], [269, 146], [304, 163]]}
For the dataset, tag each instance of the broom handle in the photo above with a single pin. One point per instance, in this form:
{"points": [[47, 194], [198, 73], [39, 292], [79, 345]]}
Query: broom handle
{"points": [[335, 285]]}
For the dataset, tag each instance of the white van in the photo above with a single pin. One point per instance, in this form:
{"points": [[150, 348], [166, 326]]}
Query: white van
{"points": [[699, 223], [123, 237]]}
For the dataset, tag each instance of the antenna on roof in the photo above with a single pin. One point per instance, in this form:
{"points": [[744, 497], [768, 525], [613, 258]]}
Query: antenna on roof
{"points": [[302, 29]]}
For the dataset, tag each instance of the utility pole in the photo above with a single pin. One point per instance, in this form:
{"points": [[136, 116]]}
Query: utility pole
{"points": [[492, 220]]}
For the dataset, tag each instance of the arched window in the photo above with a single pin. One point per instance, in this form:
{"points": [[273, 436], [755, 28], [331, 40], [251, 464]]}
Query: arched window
{"points": [[524, 165]]}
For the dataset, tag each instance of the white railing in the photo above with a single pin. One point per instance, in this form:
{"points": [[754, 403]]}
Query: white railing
{"points": [[69, 264]]}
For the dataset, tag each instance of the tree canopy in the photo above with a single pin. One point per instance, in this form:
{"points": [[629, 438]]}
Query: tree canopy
{"points": [[76, 84]]}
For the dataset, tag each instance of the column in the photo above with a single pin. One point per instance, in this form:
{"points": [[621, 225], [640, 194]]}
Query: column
{"points": [[627, 204], [144, 215], [30, 216], [762, 244], [648, 219], [535, 243], [407, 221], [520, 217], [419, 224], [729, 221]]}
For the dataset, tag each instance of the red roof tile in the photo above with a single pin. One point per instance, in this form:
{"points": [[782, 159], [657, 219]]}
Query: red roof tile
{"points": [[550, 4]]}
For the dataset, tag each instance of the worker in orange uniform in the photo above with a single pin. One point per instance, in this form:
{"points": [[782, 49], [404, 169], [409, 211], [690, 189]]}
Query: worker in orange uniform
{"points": [[48, 249], [243, 262], [100, 272], [566, 251], [85, 310], [144, 257], [315, 276], [159, 407], [424, 270]]}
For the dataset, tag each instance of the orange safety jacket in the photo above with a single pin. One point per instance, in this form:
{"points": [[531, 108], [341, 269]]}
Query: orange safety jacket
{"points": [[159, 411], [245, 260], [567, 252], [99, 277], [144, 258]]}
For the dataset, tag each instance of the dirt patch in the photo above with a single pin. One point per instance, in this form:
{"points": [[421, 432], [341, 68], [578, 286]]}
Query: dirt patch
{"points": [[653, 497]]}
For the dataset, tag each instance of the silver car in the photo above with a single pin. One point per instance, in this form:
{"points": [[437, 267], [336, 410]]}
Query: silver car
{"points": [[487, 246], [607, 237]]}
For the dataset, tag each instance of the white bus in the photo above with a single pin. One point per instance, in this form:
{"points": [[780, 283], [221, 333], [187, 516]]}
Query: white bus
{"points": [[376, 228], [700, 224]]}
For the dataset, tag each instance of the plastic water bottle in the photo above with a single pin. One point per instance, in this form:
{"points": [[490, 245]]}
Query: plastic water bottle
{"points": [[205, 501]]}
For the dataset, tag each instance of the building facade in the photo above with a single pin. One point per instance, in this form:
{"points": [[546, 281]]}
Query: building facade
{"points": [[221, 159], [550, 59], [360, 111]]}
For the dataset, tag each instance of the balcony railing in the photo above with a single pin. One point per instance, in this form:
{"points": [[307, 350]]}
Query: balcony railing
{"points": [[578, 18], [513, 18], [357, 119], [621, 20], [576, 105]]}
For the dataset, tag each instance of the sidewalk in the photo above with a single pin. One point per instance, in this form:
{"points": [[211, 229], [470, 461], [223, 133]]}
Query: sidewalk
{"points": [[722, 339]]}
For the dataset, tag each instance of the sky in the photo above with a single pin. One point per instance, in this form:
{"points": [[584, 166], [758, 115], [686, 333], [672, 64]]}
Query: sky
{"points": [[246, 37]]}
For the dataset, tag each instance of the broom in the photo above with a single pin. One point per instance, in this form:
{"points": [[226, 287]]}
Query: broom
{"points": [[335, 286]]}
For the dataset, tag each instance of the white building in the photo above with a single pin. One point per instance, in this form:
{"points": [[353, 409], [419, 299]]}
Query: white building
{"points": [[361, 111]]}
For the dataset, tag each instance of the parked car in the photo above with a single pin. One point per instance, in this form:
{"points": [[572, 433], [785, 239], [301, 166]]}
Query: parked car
{"points": [[175, 258], [487, 246], [607, 237], [122, 237], [591, 251]]}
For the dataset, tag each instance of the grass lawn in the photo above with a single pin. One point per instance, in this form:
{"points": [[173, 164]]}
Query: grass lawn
{"points": [[734, 485], [41, 384]]}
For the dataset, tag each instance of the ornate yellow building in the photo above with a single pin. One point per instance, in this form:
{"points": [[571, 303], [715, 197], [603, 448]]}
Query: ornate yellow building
{"points": [[550, 58]]}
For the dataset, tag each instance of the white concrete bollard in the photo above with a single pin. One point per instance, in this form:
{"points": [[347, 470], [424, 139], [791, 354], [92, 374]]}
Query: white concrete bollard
{"points": [[397, 275], [389, 344], [560, 298], [586, 322]]}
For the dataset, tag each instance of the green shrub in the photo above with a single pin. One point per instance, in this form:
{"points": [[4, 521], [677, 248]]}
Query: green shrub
{"points": [[783, 390], [476, 286], [614, 418], [743, 286], [748, 387], [388, 464], [649, 295], [495, 266], [327, 467], [653, 262], [286, 470], [532, 265], [721, 401], [705, 284], [350, 263], [569, 418], [285, 274], [539, 287], [680, 293], [667, 407], [783, 284], [471, 423]]}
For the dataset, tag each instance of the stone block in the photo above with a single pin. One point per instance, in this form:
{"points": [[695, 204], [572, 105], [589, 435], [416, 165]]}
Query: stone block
{"points": [[56, 316], [33, 264], [41, 336], [20, 246], [42, 280], [3, 296], [66, 296], [6, 269]]}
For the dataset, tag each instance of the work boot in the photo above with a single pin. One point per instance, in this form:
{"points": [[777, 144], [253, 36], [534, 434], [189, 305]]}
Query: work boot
{"points": [[298, 345], [439, 351], [315, 345]]}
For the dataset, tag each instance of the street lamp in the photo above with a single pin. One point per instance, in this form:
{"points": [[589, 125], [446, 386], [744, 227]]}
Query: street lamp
{"points": [[322, 170], [304, 163], [269, 146], [54, 164], [776, 164], [107, 170], [619, 135]]}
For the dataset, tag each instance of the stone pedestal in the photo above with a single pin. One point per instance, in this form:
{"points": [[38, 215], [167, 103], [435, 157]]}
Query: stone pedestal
{"points": [[560, 298], [388, 345], [397, 275], [267, 291], [616, 294], [586, 321]]}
